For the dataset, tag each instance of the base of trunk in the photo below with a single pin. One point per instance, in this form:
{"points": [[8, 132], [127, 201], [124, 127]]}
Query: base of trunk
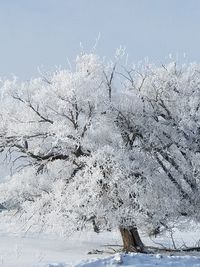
{"points": [[131, 240]]}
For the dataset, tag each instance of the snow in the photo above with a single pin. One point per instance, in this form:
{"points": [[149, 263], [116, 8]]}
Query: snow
{"points": [[136, 260], [49, 251], [42, 250]]}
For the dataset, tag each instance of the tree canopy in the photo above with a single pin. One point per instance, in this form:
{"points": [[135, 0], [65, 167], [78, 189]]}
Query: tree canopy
{"points": [[104, 145]]}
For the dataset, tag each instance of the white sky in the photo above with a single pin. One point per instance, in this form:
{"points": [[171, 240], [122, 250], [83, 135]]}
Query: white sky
{"points": [[45, 32]]}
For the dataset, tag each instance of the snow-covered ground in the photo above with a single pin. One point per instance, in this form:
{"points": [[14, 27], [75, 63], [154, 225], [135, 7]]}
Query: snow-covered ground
{"points": [[48, 251], [138, 260], [39, 251]]}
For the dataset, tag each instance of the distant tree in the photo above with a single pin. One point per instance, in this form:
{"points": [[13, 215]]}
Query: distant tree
{"points": [[104, 147]]}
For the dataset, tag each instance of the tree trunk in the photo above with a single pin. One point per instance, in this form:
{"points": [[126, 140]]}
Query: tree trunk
{"points": [[131, 240]]}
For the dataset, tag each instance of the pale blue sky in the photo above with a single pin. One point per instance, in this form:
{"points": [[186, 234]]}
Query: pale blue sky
{"points": [[45, 32]]}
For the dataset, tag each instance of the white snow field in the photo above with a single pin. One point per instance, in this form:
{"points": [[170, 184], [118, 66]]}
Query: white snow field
{"points": [[49, 251], [137, 260]]}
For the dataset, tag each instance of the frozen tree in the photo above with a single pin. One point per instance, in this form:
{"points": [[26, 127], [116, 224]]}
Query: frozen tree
{"points": [[103, 146]]}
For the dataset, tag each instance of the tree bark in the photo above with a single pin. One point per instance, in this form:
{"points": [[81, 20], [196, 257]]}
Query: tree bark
{"points": [[131, 240]]}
